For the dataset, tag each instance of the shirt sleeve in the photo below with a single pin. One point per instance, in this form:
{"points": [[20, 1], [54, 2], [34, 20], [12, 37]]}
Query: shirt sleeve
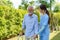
{"points": [[45, 22], [36, 25], [23, 24]]}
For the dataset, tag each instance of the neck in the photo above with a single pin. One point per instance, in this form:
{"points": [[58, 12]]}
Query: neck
{"points": [[44, 13], [30, 14]]}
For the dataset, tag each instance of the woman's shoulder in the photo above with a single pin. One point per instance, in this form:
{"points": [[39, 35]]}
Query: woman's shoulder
{"points": [[46, 15]]}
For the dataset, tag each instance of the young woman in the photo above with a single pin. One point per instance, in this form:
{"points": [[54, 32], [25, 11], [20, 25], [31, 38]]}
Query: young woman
{"points": [[44, 23]]}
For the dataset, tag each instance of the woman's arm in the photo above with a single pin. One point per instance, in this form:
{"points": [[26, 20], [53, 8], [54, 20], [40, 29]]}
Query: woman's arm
{"points": [[45, 22]]}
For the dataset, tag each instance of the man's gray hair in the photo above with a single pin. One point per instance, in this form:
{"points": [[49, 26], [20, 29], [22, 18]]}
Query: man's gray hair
{"points": [[29, 7]]}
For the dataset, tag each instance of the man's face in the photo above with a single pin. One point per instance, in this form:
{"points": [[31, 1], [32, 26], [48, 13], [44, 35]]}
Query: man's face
{"points": [[30, 10]]}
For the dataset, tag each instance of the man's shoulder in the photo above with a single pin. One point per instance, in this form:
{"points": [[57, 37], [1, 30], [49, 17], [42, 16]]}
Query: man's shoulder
{"points": [[35, 15], [25, 15]]}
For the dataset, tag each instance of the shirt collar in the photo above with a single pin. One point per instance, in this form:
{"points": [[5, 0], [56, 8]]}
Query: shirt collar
{"points": [[31, 16]]}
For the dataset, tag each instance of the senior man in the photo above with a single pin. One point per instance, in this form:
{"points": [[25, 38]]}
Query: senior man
{"points": [[30, 24]]}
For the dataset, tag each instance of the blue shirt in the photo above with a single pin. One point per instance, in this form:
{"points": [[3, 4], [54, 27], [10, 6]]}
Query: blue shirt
{"points": [[30, 24], [44, 26]]}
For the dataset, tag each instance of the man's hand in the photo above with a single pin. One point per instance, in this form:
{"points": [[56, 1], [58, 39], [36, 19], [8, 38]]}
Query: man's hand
{"points": [[35, 36], [21, 33]]}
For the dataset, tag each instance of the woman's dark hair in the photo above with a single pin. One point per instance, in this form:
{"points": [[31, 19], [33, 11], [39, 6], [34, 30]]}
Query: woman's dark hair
{"points": [[43, 7]]}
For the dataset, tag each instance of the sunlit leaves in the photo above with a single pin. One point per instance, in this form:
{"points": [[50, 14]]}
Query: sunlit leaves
{"points": [[10, 21]]}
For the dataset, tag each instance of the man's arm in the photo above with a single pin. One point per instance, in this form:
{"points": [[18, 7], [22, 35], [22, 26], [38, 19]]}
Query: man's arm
{"points": [[36, 26], [23, 24]]}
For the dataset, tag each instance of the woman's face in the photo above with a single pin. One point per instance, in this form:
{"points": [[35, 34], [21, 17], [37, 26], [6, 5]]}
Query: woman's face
{"points": [[42, 11]]}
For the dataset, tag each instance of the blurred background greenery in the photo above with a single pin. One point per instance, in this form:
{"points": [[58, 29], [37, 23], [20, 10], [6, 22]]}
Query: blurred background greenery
{"points": [[11, 18]]}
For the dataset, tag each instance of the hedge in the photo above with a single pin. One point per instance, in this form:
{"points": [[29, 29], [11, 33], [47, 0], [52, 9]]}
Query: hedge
{"points": [[10, 21]]}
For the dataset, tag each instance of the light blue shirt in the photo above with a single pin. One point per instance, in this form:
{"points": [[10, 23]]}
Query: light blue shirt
{"points": [[30, 24], [44, 26]]}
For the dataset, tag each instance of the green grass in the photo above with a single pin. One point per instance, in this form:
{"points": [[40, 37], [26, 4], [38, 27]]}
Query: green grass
{"points": [[57, 37]]}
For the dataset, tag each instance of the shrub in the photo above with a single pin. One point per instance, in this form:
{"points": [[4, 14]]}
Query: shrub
{"points": [[10, 21]]}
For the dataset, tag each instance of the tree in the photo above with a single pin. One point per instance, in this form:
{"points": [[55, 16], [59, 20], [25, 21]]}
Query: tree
{"points": [[57, 8], [6, 3], [48, 4], [23, 5]]}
